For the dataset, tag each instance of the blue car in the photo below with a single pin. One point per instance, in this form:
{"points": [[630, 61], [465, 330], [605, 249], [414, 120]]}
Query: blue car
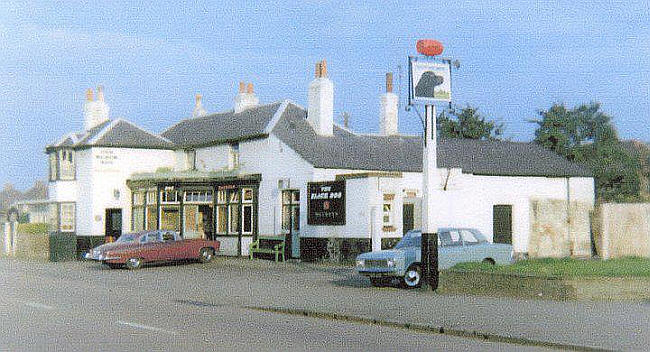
{"points": [[455, 245]]}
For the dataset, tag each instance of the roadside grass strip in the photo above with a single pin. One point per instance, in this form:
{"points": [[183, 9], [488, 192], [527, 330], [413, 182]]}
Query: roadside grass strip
{"points": [[426, 328], [632, 267]]}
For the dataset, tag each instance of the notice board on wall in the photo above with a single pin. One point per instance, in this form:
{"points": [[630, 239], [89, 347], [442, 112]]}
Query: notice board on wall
{"points": [[326, 203]]}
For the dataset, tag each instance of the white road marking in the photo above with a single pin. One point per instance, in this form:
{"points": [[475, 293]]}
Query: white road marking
{"points": [[144, 327], [39, 305]]}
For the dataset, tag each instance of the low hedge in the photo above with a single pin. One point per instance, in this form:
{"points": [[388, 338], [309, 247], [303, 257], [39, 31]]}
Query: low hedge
{"points": [[33, 228]]}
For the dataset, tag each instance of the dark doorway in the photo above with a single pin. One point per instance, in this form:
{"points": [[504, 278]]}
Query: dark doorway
{"points": [[205, 219], [408, 212], [113, 224], [502, 223]]}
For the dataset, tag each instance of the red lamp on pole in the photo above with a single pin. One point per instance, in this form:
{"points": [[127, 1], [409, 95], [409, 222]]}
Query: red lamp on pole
{"points": [[429, 47]]}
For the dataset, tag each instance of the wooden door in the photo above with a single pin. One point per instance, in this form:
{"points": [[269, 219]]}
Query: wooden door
{"points": [[502, 223], [408, 217], [113, 224]]}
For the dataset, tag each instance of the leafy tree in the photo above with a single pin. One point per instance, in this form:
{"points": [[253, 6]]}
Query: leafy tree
{"points": [[467, 123], [586, 135], [565, 130]]}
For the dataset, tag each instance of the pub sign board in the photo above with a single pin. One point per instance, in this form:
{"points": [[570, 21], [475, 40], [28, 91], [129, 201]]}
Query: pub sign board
{"points": [[326, 203]]}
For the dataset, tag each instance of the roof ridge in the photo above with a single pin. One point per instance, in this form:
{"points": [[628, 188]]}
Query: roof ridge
{"points": [[102, 132], [146, 130], [276, 116]]}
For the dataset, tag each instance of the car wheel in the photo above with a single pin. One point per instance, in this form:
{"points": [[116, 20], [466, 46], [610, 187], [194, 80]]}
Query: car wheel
{"points": [[379, 281], [413, 277], [489, 261], [134, 263], [206, 255]]}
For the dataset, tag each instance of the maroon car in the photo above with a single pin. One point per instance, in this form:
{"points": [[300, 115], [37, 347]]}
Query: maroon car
{"points": [[135, 249]]}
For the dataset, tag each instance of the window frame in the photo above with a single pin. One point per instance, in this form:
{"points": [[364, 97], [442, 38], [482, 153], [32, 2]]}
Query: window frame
{"points": [[72, 222]]}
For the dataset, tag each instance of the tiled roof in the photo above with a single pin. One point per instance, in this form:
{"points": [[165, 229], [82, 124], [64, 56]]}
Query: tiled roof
{"points": [[222, 127], [118, 134], [343, 150], [346, 150]]}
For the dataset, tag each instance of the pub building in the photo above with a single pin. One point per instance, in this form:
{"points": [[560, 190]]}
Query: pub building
{"points": [[284, 170]]}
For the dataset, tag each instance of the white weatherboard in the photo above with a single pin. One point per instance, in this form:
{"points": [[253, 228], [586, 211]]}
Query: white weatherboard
{"points": [[430, 81]]}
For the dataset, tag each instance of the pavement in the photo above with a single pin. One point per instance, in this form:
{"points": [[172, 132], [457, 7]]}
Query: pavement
{"points": [[238, 304]]}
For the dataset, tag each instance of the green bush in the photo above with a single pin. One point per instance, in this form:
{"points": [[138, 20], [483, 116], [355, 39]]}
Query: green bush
{"points": [[36, 228]]}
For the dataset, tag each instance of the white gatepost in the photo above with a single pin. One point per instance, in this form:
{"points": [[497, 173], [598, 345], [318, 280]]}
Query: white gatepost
{"points": [[375, 228], [8, 238]]}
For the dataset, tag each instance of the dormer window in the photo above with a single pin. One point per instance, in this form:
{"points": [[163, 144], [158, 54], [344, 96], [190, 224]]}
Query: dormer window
{"points": [[233, 158], [62, 165]]}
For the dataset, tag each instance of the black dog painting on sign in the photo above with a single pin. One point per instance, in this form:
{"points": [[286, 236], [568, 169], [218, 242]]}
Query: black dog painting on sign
{"points": [[427, 83]]}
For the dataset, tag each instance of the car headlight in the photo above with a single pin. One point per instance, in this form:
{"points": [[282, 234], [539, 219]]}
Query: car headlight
{"points": [[390, 263], [361, 262]]}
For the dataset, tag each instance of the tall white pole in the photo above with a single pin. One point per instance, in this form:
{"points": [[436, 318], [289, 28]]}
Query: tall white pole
{"points": [[431, 185], [430, 177]]}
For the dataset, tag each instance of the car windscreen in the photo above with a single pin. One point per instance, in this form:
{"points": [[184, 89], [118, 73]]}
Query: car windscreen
{"points": [[168, 236], [126, 238], [411, 239]]}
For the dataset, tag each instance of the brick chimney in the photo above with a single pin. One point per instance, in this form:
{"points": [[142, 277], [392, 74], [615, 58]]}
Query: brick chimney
{"points": [[95, 111], [245, 98], [320, 111], [388, 109], [198, 107]]}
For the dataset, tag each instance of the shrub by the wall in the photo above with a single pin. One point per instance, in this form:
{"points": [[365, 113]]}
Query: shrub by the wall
{"points": [[33, 229]]}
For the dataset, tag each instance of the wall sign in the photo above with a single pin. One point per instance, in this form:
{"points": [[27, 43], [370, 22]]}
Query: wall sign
{"points": [[326, 203]]}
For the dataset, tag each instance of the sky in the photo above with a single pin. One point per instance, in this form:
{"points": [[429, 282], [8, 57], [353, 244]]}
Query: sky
{"points": [[517, 58]]}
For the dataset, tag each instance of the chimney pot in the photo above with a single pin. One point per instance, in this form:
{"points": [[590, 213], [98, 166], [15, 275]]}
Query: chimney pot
{"points": [[100, 93], [321, 102], [95, 111], [389, 82], [198, 98], [246, 97]]}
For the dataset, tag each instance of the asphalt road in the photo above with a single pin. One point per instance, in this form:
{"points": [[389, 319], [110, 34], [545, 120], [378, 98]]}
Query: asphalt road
{"points": [[82, 306]]}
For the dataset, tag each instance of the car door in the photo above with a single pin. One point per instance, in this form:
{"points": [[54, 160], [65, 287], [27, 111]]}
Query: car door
{"points": [[451, 249], [173, 248], [473, 250], [151, 248]]}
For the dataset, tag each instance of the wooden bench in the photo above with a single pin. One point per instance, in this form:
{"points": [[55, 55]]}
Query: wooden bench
{"points": [[269, 245]]}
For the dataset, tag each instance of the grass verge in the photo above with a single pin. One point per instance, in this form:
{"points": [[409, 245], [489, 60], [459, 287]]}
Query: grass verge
{"points": [[567, 268]]}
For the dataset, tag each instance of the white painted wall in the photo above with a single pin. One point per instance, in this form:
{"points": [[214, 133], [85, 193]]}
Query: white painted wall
{"points": [[213, 158], [275, 160], [111, 167], [467, 202]]}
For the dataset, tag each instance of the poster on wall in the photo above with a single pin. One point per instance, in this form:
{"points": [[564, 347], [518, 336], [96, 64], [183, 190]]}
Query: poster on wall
{"points": [[430, 81], [326, 203]]}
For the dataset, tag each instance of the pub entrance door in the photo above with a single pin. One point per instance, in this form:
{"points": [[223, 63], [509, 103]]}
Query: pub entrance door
{"points": [[113, 224]]}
